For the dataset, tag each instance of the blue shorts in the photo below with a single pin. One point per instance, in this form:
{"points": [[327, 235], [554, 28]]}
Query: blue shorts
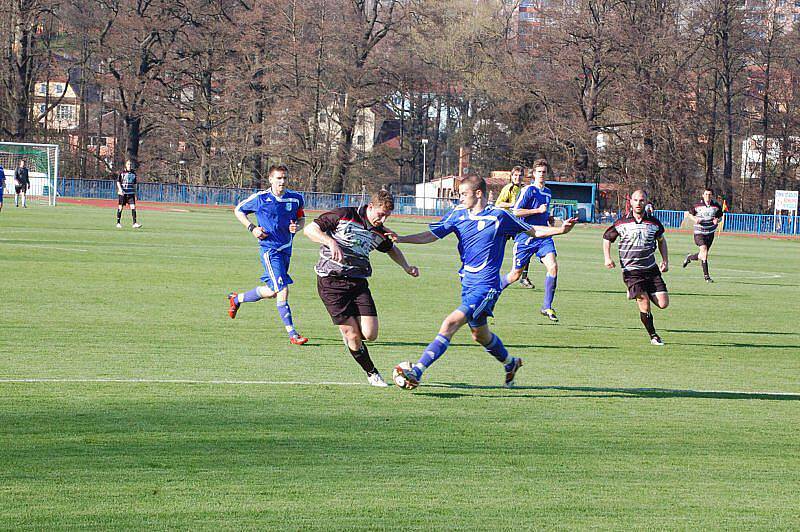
{"points": [[276, 269], [540, 247], [477, 303]]}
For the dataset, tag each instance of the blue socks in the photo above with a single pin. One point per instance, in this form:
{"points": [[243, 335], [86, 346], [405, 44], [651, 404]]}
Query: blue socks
{"points": [[431, 354], [496, 348], [549, 291], [251, 296], [286, 317]]}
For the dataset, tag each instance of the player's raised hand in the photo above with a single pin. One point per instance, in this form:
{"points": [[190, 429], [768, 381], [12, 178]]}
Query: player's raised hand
{"points": [[664, 266], [259, 232], [413, 271], [293, 226], [569, 223], [610, 264]]}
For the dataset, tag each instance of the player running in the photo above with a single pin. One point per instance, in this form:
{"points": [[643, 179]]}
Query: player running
{"points": [[639, 234], [706, 215], [279, 213], [126, 194], [506, 200], [481, 231], [533, 206], [348, 235]]}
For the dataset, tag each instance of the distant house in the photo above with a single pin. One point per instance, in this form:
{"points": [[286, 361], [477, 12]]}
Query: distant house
{"points": [[752, 149], [363, 133], [100, 137], [56, 104]]}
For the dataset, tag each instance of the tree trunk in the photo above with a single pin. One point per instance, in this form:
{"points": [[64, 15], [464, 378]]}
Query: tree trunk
{"points": [[344, 146], [133, 125]]}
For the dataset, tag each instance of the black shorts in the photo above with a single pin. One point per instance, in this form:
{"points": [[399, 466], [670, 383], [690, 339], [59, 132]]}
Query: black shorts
{"points": [[21, 188], [704, 240], [125, 199], [646, 282], [345, 298]]}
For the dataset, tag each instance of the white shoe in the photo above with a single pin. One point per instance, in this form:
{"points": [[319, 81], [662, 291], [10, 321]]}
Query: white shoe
{"points": [[119, 226], [376, 380], [136, 225]]}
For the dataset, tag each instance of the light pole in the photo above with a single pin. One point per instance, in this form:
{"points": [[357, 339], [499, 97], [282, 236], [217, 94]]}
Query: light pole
{"points": [[424, 176]]}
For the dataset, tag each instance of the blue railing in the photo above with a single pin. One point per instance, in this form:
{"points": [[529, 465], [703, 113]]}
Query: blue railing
{"points": [[741, 222], [205, 195]]}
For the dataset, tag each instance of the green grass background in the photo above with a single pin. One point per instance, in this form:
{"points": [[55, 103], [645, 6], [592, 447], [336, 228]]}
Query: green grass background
{"points": [[604, 430]]}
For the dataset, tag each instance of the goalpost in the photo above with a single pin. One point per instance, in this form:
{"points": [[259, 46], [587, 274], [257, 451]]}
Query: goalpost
{"points": [[42, 163]]}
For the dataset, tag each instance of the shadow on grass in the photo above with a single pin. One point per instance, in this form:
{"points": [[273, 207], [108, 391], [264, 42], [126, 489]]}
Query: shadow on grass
{"points": [[622, 292], [608, 392], [693, 331], [765, 284], [422, 345]]}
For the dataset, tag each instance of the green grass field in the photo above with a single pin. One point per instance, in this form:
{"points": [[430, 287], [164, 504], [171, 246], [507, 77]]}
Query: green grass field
{"points": [[145, 406]]}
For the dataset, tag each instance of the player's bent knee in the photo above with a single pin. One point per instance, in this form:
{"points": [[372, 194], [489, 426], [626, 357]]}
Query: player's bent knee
{"points": [[265, 292]]}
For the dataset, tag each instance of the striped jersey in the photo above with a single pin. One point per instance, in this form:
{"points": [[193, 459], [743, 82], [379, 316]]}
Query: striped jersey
{"points": [[705, 215], [638, 241], [356, 236], [127, 182], [481, 241], [274, 214]]}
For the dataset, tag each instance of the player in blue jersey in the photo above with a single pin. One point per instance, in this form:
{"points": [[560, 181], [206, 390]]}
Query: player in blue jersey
{"points": [[279, 213], [533, 206], [481, 232]]}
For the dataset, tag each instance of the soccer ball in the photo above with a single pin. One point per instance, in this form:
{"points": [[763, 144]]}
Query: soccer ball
{"points": [[399, 376]]}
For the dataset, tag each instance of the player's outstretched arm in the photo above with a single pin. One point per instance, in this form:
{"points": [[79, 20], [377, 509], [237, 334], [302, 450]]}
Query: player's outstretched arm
{"points": [[542, 231], [400, 259], [425, 237], [609, 262], [662, 248]]}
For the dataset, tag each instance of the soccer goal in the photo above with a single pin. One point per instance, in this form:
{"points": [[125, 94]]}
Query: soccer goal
{"points": [[42, 163]]}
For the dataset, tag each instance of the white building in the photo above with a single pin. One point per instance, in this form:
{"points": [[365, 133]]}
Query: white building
{"points": [[751, 154]]}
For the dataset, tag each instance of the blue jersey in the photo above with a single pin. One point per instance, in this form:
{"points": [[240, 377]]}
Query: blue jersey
{"points": [[481, 242], [532, 197], [2, 178], [274, 214]]}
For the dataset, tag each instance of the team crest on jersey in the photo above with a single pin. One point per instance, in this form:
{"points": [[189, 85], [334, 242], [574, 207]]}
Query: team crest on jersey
{"points": [[288, 206], [481, 225]]}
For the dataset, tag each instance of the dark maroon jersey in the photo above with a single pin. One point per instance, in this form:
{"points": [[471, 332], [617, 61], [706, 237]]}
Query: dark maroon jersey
{"points": [[638, 241], [357, 237], [706, 216]]}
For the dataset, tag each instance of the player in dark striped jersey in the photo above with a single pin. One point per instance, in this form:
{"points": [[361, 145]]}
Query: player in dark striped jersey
{"points": [[639, 235], [347, 236], [706, 215], [126, 194]]}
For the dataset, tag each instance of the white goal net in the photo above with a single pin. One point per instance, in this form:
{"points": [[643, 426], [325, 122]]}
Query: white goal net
{"points": [[42, 163]]}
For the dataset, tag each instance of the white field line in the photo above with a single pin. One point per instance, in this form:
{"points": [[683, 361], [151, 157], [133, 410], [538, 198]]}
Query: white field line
{"points": [[233, 382], [101, 380]]}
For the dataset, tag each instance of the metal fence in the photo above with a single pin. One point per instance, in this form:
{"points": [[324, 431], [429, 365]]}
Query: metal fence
{"points": [[741, 223], [205, 195]]}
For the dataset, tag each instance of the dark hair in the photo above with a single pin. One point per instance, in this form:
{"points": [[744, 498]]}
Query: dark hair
{"points": [[382, 198], [277, 168], [709, 189], [475, 183], [540, 162]]}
